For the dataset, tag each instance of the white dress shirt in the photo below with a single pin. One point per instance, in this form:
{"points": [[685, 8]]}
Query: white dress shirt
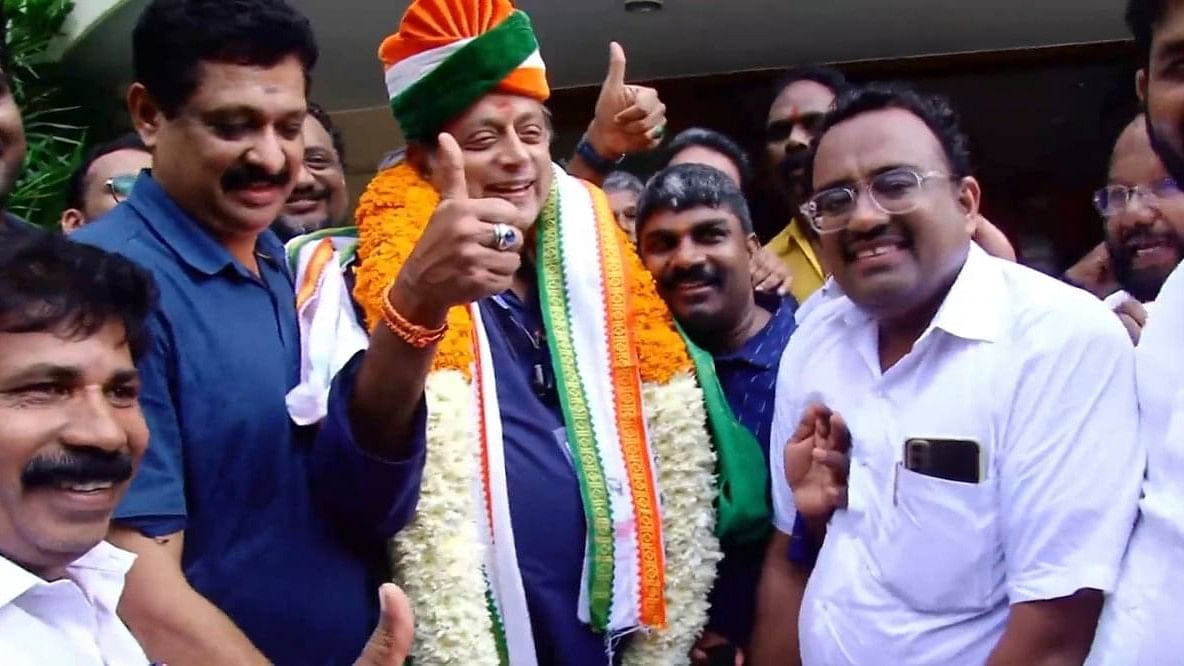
{"points": [[919, 570], [71, 621], [1141, 623]]}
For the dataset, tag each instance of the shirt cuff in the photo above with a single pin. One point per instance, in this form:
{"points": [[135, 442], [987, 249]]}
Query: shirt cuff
{"points": [[1059, 582], [371, 492]]}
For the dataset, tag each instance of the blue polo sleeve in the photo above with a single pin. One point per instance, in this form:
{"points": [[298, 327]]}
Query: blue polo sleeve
{"points": [[155, 501], [372, 496]]}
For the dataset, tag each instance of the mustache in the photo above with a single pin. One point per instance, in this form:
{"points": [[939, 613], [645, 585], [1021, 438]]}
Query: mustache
{"points": [[697, 273], [77, 466], [882, 232], [248, 175], [792, 166], [309, 194]]}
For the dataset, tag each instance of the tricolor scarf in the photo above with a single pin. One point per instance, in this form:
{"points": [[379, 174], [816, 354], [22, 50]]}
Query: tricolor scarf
{"points": [[585, 308]]}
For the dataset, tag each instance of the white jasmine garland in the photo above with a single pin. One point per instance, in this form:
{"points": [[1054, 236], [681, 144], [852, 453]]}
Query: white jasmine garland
{"points": [[437, 558], [685, 462]]}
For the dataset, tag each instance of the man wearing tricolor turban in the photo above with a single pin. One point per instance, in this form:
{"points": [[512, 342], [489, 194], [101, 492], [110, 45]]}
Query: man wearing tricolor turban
{"points": [[574, 486]]}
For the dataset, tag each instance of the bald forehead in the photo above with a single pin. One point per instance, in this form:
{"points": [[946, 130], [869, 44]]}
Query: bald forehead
{"points": [[1132, 140], [1134, 160], [871, 142]]}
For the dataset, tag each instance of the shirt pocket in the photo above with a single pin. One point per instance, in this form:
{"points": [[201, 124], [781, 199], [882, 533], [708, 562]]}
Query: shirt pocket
{"points": [[938, 544]]}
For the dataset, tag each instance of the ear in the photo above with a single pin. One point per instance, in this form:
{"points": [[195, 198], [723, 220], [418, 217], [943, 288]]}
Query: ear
{"points": [[146, 114], [1141, 84], [72, 220], [969, 196]]}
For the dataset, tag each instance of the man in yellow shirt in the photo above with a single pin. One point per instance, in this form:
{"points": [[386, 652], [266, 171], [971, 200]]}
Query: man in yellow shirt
{"points": [[801, 99]]}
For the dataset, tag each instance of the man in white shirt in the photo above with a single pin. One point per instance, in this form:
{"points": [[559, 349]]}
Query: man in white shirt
{"points": [[1141, 623], [72, 324], [1143, 210], [993, 539], [71, 435]]}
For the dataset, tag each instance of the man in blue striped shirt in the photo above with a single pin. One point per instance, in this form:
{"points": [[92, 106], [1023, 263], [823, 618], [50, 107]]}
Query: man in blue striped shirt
{"points": [[694, 233]]}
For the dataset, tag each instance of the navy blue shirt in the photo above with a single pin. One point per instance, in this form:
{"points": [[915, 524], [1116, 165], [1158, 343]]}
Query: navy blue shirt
{"points": [[284, 526], [749, 379], [545, 503]]}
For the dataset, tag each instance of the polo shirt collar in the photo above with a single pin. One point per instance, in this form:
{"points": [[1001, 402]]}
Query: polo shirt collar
{"points": [[760, 351], [100, 570], [185, 236], [973, 308]]}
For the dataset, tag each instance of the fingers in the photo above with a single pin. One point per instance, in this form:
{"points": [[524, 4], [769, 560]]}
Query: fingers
{"points": [[805, 427], [452, 167], [839, 434], [651, 121], [1133, 328], [493, 210], [616, 67], [1134, 310]]}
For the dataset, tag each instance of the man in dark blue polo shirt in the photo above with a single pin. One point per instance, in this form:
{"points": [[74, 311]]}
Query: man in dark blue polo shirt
{"points": [[695, 235], [256, 539]]}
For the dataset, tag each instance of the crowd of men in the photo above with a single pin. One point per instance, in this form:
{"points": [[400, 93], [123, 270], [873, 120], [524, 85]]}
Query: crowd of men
{"points": [[577, 425]]}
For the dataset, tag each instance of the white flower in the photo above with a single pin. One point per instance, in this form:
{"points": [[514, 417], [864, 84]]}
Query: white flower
{"points": [[438, 557]]}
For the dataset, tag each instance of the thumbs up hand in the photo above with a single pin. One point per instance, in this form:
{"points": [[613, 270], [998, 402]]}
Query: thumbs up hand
{"points": [[469, 249], [390, 643], [629, 119]]}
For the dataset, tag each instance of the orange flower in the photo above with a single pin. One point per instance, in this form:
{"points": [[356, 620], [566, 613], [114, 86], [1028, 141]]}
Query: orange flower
{"points": [[391, 217]]}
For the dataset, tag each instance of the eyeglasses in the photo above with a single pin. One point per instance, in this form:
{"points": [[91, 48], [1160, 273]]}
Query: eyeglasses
{"points": [[894, 192], [120, 186], [1114, 199]]}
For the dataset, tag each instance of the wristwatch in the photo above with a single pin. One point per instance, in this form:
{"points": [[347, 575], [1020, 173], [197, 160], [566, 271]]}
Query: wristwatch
{"points": [[599, 163]]}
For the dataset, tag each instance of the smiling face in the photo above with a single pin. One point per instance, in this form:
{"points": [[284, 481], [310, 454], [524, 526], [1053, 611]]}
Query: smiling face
{"points": [[506, 144], [319, 199], [700, 260], [894, 265], [1145, 238], [230, 155], [71, 434]]}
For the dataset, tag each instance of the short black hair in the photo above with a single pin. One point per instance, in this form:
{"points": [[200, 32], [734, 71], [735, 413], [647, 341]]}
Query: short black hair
{"points": [[50, 284], [316, 111], [76, 192], [1143, 17], [686, 186], [622, 181], [172, 38], [715, 141], [830, 77], [934, 110]]}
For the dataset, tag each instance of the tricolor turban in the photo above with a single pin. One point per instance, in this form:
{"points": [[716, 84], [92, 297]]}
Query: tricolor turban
{"points": [[448, 54]]}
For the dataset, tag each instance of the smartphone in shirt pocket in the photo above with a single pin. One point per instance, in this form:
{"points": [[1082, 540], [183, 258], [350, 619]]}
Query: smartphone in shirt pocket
{"points": [[938, 549], [959, 460]]}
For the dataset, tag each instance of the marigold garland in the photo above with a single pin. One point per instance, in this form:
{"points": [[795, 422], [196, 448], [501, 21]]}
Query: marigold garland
{"points": [[392, 214]]}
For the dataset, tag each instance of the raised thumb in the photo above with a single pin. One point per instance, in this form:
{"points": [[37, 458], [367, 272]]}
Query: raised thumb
{"points": [[616, 66]]}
